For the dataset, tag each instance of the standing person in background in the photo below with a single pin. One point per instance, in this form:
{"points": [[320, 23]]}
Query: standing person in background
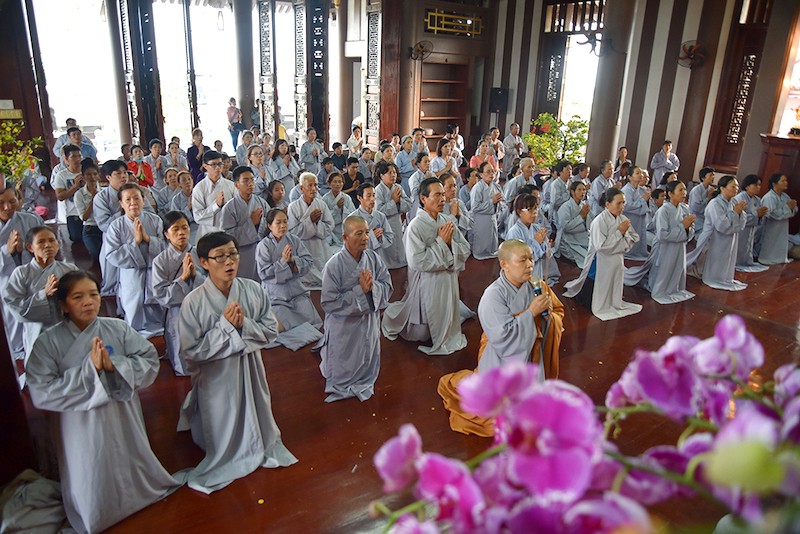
{"points": [[405, 165], [498, 150], [235, 124], [355, 143], [84, 203], [514, 148], [599, 185], [622, 157], [663, 161], [66, 183], [195, 154]]}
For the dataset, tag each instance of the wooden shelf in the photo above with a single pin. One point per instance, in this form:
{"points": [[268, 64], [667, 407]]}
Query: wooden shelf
{"points": [[441, 100], [443, 81], [440, 118]]}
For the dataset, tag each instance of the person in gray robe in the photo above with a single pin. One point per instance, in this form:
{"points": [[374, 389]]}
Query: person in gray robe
{"points": [[176, 271], [662, 162], [312, 152], [134, 240], [13, 227], [182, 202], [210, 195], [559, 190], [312, 222], [755, 217], [486, 199], [572, 238], [636, 210], [356, 286], [655, 202], [714, 258], [536, 237], [158, 163], [422, 171], [31, 288], [781, 208], [243, 218], [381, 235], [105, 208], [340, 206], [664, 272], [283, 166], [525, 177], [282, 261], [454, 207], [610, 237], [514, 148], [89, 371], [224, 324], [165, 195], [600, 184], [392, 201], [699, 197], [465, 191], [436, 252]]}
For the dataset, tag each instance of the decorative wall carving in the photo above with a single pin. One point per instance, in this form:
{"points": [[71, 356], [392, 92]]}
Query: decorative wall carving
{"points": [[373, 81], [130, 86], [300, 76], [741, 98], [266, 15]]}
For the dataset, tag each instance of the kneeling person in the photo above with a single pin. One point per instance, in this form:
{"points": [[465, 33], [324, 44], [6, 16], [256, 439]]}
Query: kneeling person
{"points": [[224, 324], [514, 328], [356, 286]]}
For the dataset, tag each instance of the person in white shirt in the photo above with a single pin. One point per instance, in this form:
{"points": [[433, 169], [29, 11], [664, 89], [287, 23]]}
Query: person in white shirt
{"points": [[210, 194], [66, 183]]}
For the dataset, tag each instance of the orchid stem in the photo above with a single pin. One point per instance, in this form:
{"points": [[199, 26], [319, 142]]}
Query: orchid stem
{"points": [[397, 514]]}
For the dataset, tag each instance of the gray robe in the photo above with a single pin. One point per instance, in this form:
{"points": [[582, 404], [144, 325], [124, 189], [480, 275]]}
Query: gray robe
{"points": [[413, 187], [377, 219], [22, 222], [169, 290], [315, 236], [572, 239], [714, 258], [288, 296], [284, 174], [24, 296], [164, 198], [335, 240], [559, 195], [636, 209], [108, 470], [545, 267], [351, 346], [139, 305], [775, 239], [593, 196], [180, 202], [744, 250], [229, 409], [394, 256], [510, 334], [484, 237], [607, 246], [431, 307], [236, 221], [664, 272], [698, 201]]}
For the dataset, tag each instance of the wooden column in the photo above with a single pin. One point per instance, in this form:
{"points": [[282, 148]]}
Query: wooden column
{"points": [[391, 30], [300, 72], [118, 71], [345, 110], [604, 123], [318, 71], [191, 80], [268, 78], [372, 121], [243, 19], [145, 69]]}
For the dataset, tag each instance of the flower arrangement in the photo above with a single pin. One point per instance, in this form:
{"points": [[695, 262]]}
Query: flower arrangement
{"points": [[551, 140], [16, 155], [553, 466]]}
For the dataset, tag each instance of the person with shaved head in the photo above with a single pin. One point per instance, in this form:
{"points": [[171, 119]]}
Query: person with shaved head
{"points": [[356, 286], [521, 321]]}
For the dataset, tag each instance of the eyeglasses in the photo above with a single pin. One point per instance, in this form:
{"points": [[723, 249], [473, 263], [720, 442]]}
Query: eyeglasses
{"points": [[218, 164], [222, 258]]}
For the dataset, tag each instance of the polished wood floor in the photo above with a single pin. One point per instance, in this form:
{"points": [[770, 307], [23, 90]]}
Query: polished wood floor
{"points": [[330, 489]]}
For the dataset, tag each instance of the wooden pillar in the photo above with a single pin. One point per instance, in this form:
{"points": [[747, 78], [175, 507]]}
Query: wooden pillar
{"points": [[145, 69], [191, 78], [243, 20], [372, 121], [118, 71], [604, 123], [318, 71], [300, 72], [391, 30], [268, 78]]}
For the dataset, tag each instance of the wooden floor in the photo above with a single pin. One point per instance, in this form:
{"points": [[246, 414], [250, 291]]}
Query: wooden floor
{"points": [[331, 487]]}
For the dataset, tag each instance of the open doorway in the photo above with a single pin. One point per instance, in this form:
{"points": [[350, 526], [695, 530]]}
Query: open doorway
{"points": [[580, 74]]}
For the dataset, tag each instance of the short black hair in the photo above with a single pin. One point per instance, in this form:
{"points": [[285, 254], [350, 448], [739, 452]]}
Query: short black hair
{"points": [[352, 160], [69, 149], [126, 187], [419, 156], [425, 186], [112, 165], [240, 170], [88, 163], [155, 142], [73, 129], [363, 187], [171, 217], [209, 242], [31, 233], [704, 172], [68, 281], [751, 179], [211, 155]]}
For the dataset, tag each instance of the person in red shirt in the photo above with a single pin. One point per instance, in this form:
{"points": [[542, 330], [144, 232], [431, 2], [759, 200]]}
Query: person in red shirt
{"points": [[140, 168]]}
